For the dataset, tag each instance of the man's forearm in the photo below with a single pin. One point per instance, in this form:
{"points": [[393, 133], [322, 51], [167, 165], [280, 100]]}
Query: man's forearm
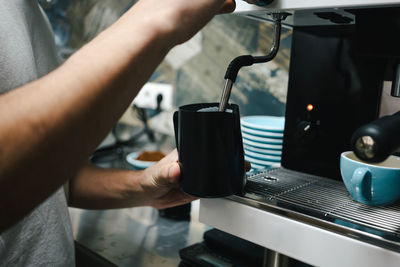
{"points": [[48, 128], [98, 188], [156, 186]]}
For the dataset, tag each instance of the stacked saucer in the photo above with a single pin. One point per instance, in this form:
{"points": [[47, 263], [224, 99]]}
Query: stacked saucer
{"points": [[262, 140]]}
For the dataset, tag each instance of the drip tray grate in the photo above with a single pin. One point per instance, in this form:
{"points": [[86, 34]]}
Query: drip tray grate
{"points": [[323, 198]]}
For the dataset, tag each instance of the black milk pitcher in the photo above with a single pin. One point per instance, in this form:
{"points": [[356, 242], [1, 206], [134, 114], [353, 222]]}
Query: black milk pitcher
{"points": [[210, 150]]}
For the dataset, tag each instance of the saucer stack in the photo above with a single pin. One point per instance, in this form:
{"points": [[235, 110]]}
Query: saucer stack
{"points": [[262, 140]]}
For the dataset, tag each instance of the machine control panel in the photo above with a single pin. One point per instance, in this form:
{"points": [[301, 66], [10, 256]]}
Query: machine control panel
{"points": [[310, 13]]}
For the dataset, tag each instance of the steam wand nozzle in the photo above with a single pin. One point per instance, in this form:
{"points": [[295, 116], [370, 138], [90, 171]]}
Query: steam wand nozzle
{"points": [[248, 60]]}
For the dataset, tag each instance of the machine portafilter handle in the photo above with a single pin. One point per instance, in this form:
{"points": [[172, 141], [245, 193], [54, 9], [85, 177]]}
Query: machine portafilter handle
{"points": [[248, 60], [395, 92], [375, 141]]}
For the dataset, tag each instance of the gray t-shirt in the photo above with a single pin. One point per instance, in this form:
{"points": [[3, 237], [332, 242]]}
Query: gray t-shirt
{"points": [[27, 52]]}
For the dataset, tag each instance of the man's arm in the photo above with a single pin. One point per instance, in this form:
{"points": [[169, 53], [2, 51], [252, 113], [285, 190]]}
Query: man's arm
{"points": [[49, 127], [156, 186]]}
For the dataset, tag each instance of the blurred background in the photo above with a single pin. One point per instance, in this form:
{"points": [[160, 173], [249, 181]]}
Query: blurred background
{"points": [[194, 71]]}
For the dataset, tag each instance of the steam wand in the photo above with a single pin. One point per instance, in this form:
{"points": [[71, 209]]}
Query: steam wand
{"points": [[248, 60]]}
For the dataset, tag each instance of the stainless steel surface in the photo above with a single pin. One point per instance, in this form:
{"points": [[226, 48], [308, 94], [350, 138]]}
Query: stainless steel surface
{"points": [[226, 92], [275, 259], [308, 218], [277, 19], [324, 203], [136, 236], [300, 5], [396, 83], [294, 234], [304, 11]]}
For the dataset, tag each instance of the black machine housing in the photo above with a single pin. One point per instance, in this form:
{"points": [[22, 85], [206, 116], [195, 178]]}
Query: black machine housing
{"points": [[340, 71]]}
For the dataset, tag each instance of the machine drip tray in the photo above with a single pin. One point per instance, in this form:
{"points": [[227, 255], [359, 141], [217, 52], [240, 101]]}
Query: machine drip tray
{"points": [[324, 203]]}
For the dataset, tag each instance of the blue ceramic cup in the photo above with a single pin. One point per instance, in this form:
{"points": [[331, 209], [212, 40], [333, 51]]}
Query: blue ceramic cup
{"points": [[372, 184]]}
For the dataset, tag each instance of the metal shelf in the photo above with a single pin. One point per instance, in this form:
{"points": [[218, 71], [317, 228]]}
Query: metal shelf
{"points": [[327, 228]]}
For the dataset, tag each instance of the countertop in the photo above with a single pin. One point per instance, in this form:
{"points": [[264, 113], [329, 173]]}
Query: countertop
{"points": [[136, 236]]}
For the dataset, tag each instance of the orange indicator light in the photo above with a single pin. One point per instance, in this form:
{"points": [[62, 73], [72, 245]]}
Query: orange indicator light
{"points": [[310, 107]]}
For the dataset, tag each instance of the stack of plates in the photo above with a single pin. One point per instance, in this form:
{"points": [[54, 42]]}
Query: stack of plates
{"points": [[262, 140]]}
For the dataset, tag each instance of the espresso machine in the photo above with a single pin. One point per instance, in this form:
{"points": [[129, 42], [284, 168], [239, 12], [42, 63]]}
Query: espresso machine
{"points": [[345, 59]]}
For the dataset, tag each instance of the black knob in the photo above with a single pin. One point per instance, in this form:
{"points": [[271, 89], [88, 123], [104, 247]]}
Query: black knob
{"points": [[375, 141], [306, 132]]}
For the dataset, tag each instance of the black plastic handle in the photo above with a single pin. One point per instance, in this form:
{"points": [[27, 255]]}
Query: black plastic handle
{"points": [[236, 64], [383, 134]]}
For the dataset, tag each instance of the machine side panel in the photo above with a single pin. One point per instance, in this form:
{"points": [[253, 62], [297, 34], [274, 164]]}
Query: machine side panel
{"points": [[343, 88]]}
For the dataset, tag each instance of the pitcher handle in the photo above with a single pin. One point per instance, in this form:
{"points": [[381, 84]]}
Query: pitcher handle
{"points": [[175, 119]]}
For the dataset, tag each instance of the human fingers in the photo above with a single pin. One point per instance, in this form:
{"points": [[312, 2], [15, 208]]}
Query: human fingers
{"points": [[165, 173], [247, 165], [228, 7], [170, 157], [167, 170], [175, 197], [251, 1], [158, 181], [162, 185]]}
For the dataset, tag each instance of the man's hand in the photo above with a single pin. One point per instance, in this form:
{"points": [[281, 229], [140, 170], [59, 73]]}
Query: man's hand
{"points": [[157, 186], [160, 183], [251, 1], [177, 19], [228, 7]]}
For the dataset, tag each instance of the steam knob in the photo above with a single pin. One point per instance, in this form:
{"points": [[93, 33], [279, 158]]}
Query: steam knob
{"points": [[306, 132], [375, 141]]}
